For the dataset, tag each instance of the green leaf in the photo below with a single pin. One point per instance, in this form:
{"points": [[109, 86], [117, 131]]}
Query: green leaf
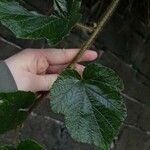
{"points": [[92, 104], [105, 75], [24, 145], [7, 148], [31, 25], [13, 109], [29, 145]]}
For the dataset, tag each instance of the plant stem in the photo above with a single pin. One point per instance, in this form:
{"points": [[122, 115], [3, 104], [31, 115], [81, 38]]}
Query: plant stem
{"points": [[41, 97], [103, 20], [17, 134], [85, 27]]}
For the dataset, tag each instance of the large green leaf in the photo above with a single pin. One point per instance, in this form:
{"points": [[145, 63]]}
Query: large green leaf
{"points": [[24, 145], [31, 25], [13, 109], [92, 104]]}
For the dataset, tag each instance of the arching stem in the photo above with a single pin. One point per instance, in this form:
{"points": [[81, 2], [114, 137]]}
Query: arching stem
{"points": [[103, 20]]}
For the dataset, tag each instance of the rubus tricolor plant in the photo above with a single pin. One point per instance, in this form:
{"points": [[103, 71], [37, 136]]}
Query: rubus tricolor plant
{"points": [[92, 104]]}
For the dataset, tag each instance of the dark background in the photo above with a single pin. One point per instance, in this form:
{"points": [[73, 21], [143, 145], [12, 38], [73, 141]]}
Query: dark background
{"points": [[124, 46]]}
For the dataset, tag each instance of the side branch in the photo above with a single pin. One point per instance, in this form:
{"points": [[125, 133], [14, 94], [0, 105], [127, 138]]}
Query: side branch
{"points": [[42, 96], [103, 20], [85, 27]]}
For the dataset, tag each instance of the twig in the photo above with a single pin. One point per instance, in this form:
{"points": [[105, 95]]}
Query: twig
{"points": [[41, 97], [85, 27], [103, 20], [17, 134], [10, 43]]}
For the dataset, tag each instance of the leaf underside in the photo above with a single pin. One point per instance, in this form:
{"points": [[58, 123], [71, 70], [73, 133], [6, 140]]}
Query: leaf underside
{"points": [[24, 145], [14, 109], [30, 25], [92, 104]]}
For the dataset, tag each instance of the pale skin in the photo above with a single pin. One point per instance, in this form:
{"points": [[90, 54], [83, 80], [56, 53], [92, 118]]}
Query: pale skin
{"points": [[37, 69]]}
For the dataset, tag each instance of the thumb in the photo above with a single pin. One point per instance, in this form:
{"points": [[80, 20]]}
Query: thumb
{"points": [[44, 82]]}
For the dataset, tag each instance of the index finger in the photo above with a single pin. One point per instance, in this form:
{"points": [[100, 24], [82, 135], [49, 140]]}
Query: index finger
{"points": [[64, 56]]}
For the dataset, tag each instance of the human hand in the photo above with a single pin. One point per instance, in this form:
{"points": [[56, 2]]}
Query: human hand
{"points": [[37, 69]]}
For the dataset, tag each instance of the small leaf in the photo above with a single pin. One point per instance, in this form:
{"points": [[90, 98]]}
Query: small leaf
{"points": [[24, 145], [30, 25], [29, 145], [7, 148], [13, 109], [92, 104]]}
